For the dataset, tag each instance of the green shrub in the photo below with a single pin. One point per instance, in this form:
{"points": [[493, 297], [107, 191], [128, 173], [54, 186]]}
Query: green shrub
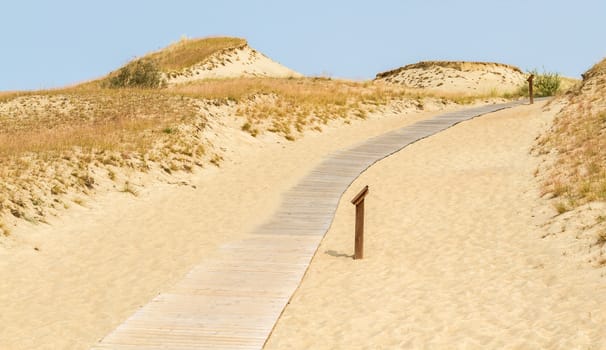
{"points": [[143, 73], [545, 84]]}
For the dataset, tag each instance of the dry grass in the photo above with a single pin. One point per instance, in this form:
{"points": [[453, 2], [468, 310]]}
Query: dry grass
{"points": [[291, 105], [171, 61], [578, 137], [53, 143], [4, 94], [188, 52], [567, 84], [99, 119]]}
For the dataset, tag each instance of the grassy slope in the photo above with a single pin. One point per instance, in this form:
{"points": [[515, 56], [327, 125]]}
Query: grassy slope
{"points": [[186, 53], [579, 138]]}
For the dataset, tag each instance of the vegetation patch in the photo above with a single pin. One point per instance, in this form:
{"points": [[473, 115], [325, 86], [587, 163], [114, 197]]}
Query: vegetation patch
{"points": [[578, 139], [544, 85], [142, 73]]}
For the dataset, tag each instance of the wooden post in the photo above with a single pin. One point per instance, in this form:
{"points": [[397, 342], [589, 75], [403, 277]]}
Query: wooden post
{"points": [[530, 92], [358, 201]]}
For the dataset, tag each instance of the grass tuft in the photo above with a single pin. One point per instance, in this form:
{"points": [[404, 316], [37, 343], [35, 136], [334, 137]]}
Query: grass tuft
{"points": [[129, 188], [560, 207], [4, 231]]}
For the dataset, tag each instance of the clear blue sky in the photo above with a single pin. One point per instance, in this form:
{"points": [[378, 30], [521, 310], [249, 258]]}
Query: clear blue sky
{"points": [[55, 43]]}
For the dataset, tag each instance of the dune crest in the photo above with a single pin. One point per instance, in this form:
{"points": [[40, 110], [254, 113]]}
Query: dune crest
{"points": [[232, 63], [457, 76]]}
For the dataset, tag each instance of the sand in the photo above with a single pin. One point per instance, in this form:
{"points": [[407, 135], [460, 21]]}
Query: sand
{"points": [[454, 254], [68, 284], [241, 62], [455, 258], [467, 78]]}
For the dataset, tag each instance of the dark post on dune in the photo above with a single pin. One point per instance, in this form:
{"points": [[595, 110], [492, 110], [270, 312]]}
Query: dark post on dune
{"points": [[530, 93], [358, 201]]}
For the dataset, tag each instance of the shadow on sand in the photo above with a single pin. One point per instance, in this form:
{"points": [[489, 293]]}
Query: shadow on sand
{"points": [[337, 254]]}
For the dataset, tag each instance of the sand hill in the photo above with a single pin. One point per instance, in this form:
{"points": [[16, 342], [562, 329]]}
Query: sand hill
{"points": [[457, 77], [214, 58], [574, 170], [232, 63]]}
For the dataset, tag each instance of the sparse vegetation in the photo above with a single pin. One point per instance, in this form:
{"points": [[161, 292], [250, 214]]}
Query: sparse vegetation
{"points": [[52, 143], [281, 105], [578, 137], [216, 160]]}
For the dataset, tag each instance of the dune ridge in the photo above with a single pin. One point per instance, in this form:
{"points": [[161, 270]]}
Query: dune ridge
{"points": [[457, 76], [232, 63]]}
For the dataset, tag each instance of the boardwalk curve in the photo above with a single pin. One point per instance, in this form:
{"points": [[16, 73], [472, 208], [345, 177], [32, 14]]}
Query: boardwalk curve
{"points": [[234, 301]]}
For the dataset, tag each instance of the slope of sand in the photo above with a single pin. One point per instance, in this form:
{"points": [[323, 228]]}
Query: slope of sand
{"points": [[68, 284], [573, 173], [457, 77], [233, 63], [454, 254]]}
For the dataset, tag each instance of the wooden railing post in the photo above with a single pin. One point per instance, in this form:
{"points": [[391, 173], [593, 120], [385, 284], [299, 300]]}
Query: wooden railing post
{"points": [[358, 201], [530, 85]]}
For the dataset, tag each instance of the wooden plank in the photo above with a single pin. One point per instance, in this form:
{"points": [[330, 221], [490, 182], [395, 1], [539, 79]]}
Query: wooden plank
{"points": [[233, 301]]}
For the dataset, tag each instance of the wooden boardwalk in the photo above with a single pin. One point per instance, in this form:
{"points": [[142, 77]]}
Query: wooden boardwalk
{"points": [[233, 302]]}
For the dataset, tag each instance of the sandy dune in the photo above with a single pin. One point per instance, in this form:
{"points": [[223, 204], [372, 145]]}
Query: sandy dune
{"points": [[454, 256], [234, 63], [97, 264], [457, 77]]}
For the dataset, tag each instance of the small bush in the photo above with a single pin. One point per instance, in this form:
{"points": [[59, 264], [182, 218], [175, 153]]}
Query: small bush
{"points": [[129, 188], [143, 73], [560, 207], [545, 84]]}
